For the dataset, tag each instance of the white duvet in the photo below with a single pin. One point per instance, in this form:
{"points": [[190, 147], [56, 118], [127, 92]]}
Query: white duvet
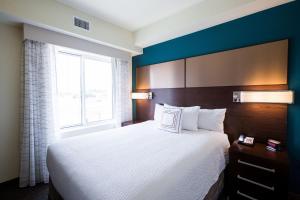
{"points": [[137, 162]]}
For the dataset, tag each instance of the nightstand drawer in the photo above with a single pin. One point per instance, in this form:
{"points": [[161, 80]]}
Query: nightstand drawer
{"points": [[258, 163], [256, 172], [253, 189]]}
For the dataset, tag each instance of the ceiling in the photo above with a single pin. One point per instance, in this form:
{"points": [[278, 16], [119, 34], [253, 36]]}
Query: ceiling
{"points": [[131, 25], [155, 21], [131, 14]]}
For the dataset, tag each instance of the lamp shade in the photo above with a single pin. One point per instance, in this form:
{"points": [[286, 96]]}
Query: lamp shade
{"points": [[141, 95], [282, 96]]}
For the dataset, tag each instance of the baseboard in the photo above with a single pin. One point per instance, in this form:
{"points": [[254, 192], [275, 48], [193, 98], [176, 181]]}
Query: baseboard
{"points": [[13, 182]]}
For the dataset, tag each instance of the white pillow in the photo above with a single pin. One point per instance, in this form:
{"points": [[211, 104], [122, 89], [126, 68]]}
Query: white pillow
{"points": [[158, 112], [171, 120], [189, 117], [212, 119]]}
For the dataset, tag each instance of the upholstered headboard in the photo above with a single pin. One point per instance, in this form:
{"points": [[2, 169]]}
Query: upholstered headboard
{"points": [[209, 81]]}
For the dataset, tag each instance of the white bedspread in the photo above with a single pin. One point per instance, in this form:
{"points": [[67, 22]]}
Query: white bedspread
{"points": [[137, 162]]}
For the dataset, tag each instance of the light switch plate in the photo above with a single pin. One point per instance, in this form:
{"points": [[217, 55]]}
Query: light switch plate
{"points": [[236, 96]]}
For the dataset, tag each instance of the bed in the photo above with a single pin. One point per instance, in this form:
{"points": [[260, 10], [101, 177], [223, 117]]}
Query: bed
{"points": [[138, 162]]}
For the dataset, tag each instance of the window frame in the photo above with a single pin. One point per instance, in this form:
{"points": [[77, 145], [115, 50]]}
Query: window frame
{"points": [[83, 56]]}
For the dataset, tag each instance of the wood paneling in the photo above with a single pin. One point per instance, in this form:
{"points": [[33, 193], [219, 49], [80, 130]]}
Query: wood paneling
{"points": [[163, 75], [264, 64], [262, 121]]}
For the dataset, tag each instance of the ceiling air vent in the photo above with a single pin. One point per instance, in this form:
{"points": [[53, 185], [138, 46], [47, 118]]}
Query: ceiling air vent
{"points": [[81, 23]]}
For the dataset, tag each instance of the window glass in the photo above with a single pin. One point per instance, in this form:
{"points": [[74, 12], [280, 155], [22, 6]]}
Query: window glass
{"points": [[84, 88], [68, 88], [98, 90]]}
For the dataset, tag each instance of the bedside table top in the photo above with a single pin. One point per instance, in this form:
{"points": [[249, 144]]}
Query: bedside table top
{"points": [[259, 150]]}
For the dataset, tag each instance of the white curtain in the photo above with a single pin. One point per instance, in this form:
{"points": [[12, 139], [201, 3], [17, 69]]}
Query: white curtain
{"points": [[37, 128], [123, 103], [38, 108]]}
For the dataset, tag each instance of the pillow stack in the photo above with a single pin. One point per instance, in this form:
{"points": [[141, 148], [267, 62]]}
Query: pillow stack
{"points": [[189, 118], [212, 119], [171, 119], [174, 119]]}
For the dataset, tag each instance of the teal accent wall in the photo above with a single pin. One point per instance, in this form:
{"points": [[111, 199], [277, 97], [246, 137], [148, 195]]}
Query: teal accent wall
{"points": [[274, 24]]}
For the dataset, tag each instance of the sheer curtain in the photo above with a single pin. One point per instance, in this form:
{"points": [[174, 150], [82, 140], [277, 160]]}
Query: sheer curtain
{"points": [[37, 121], [38, 124], [123, 103]]}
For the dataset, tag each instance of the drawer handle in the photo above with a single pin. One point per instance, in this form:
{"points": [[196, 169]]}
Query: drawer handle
{"points": [[256, 166], [255, 183], [245, 195]]}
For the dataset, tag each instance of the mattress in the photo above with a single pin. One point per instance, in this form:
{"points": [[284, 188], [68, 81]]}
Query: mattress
{"points": [[137, 162]]}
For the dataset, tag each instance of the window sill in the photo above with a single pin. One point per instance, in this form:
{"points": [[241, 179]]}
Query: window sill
{"points": [[76, 131]]}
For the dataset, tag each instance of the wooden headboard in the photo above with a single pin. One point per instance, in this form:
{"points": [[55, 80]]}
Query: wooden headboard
{"points": [[262, 121], [259, 120]]}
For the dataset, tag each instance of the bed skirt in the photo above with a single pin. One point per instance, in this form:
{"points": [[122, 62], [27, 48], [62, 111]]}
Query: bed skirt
{"points": [[53, 194], [213, 194]]}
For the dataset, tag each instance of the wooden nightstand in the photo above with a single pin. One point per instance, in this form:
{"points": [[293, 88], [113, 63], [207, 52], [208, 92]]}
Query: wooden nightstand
{"points": [[255, 173], [131, 122]]}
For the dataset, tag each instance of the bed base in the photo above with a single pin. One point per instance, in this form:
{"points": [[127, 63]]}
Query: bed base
{"points": [[53, 194], [214, 193]]}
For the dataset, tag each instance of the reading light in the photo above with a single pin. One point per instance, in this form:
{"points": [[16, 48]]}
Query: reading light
{"points": [[141, 95], [280, 96]]}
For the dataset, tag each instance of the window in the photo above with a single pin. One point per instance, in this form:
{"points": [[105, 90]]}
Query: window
{"points": [[84, 88]]}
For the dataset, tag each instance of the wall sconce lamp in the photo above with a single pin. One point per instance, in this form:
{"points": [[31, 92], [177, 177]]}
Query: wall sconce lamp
{"points": [[141, 95], [280, 96]]}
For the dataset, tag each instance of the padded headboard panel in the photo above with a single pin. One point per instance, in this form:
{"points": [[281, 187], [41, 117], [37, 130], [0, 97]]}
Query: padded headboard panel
{"points": [[262, 121], [163, 75], [264, 64]]}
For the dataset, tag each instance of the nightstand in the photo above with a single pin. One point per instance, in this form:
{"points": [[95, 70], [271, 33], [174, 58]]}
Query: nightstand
{"points": [[131, 122], [255, 173]]}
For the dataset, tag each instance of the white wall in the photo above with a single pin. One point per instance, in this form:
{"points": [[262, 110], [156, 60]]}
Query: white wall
{"points": [[10, 65], [58, 17], [52, 37]]}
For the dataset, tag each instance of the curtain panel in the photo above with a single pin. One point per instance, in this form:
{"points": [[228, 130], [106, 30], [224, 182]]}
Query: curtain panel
{"points": [[122, 87], [38, 125], [37, 128]]}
